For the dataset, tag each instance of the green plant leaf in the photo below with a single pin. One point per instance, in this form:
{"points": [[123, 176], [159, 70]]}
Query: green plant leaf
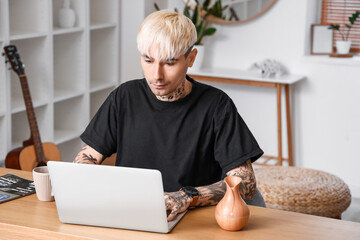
{"points": [[334, 26], [196, 16], [209, 31], [356, 14], [348, 26], [352, 20], [199, 28], [156, 7], [187, 11], [206, 4]]}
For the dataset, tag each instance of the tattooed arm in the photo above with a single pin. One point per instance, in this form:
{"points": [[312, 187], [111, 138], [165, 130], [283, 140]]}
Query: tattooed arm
{"points": [[89, 155], [178, 202]]}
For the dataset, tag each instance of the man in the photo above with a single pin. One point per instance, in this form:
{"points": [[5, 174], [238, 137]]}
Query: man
{"points": [[189, 131]]}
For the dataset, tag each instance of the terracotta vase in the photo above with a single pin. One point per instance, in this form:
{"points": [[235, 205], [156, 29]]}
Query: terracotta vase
{"points": [[232, 213]]}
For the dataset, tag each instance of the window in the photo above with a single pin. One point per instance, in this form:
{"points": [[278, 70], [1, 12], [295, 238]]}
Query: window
{"points": [[338, 12]]}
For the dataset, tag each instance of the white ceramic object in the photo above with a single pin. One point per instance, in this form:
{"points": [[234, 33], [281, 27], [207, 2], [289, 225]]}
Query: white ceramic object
{"points": [[66, 17], [42, 184], [343, 47], [199, 57]]}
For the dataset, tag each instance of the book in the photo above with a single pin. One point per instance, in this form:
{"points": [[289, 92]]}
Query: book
{"points": [[12, 187]]}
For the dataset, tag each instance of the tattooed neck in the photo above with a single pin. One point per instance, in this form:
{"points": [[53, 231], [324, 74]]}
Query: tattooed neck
{"points": [[183, 90]]}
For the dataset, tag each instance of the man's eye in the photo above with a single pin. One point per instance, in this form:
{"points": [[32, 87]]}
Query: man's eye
{"points": [[170, 63], [147, 60]]}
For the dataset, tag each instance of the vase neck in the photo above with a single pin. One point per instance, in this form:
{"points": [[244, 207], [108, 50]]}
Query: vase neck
{"points": [[66, 4], [232, 182]]}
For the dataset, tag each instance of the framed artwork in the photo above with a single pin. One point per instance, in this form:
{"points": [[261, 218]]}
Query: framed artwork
{"points": [[321, 39]]}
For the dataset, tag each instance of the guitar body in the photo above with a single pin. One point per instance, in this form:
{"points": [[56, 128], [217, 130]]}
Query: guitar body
{"points": [[12, 158], [28, 160], [24, 158]]}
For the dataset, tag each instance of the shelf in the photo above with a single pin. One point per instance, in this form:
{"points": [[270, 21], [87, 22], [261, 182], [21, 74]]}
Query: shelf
{"points": [[17, 99], [20, 35], [20, 129], [69, 65], [18, 105], [102, 46], [65, 135], [69, 121], [65, 94], [324, 59], [70, 149], [68, 70], [58, 31], [246, 75], [30, 16], [98, 25], [97, 99], [99, 86]]}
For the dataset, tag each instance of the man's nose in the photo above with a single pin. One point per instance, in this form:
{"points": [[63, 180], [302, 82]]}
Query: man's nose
{"points": [[158, 71]]}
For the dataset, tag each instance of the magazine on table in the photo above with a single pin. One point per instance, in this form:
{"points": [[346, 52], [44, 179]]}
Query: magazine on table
{"points": [[12, 187]]}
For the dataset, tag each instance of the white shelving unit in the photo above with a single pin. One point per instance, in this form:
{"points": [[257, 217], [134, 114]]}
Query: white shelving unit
{"points": [[70, 71]]}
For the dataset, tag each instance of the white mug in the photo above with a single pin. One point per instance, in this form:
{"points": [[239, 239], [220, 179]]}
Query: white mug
{"points": [[42, 183]]}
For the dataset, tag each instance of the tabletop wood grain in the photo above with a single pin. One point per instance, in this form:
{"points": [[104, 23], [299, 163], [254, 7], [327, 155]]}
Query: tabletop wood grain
{"points": [[29, 218]]}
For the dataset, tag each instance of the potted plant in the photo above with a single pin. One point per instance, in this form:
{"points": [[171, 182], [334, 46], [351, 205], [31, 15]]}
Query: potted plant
{"points": [[198, 15], [343, 46]]}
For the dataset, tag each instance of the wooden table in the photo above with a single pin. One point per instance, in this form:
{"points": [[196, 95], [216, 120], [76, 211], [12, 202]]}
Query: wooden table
{"points": [[28, 218], [255, 79]]}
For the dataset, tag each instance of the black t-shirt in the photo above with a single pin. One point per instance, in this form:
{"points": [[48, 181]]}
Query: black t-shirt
{"points": [[193, 141]]}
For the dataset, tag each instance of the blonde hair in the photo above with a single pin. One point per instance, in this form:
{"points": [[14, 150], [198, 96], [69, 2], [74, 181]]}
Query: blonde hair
{"points": [[165, 35]]}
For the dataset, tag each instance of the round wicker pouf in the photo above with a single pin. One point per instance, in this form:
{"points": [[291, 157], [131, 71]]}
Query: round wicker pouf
{"points": [[303, 190]]}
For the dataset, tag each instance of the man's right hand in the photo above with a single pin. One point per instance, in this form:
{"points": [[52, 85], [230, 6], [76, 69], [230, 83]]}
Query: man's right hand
{"points": [[176, 202]]}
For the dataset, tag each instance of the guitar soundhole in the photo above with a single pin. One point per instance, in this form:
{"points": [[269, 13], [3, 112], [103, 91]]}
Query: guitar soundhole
{"points": [[42, 164]]}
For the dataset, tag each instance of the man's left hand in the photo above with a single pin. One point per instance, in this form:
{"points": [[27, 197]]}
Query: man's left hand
{"points": [[176, 202]]}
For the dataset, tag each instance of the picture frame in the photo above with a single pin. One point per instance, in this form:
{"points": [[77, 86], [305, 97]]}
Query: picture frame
{"points": [[321, 39]]}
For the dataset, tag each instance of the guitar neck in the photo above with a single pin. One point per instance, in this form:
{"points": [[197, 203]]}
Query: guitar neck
{"points": [[35, 136]]}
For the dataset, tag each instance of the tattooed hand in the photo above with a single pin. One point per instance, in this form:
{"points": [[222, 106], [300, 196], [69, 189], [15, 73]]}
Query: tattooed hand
{"points": [[212, 194], [176, 202]]}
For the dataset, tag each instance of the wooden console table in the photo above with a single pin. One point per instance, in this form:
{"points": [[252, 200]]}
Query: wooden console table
{"points": [[255, 79]]}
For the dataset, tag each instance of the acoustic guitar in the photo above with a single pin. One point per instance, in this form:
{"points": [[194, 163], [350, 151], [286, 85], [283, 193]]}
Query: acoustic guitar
{"points": [[33, 153]]}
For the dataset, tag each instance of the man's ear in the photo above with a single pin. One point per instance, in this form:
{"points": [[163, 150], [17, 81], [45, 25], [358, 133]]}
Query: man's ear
{"points": [[192, 56]]}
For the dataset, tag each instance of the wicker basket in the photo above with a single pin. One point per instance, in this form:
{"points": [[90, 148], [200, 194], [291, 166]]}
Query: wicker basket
{"points": [[303, 190]]}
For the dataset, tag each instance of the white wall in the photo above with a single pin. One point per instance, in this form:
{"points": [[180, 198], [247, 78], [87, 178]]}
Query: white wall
{"points": [[326, 106], [132, 14]]}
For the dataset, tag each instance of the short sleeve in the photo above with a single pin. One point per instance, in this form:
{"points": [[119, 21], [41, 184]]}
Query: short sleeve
{"points": [[234, 143], [100, 134]]}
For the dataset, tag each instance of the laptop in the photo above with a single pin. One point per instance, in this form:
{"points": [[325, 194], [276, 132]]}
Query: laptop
{"points": [[109, 196]]}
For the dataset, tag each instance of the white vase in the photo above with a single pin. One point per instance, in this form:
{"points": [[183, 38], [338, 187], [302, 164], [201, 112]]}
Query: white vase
{"points": [[199, 57], [343, 47], [66, 17]]}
